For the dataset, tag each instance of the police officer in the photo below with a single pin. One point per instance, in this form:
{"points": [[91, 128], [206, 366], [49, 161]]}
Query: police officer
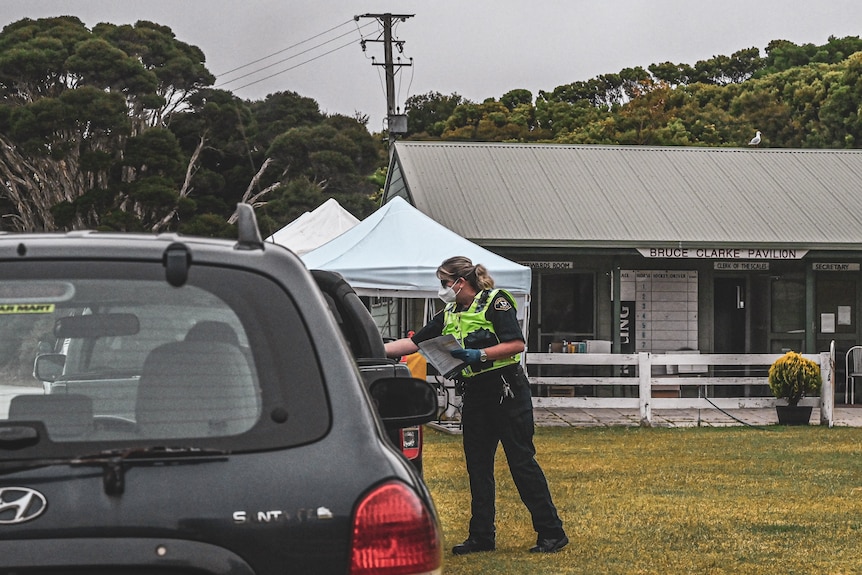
{"points": [[497, 407]]}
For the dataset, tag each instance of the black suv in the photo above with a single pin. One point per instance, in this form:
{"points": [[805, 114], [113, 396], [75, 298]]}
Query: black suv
{"points": [[205, 414]]}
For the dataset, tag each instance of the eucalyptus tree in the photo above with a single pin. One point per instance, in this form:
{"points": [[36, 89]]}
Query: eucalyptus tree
{"points": [[333, 159], [83, 123]]}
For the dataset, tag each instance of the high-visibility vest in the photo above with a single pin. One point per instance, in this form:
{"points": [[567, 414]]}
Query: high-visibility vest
{"points": [[473, 330]]}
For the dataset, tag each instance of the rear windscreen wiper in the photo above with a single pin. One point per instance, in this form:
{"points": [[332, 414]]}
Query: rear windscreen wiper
{"points": [[159, 452], [113, 461]]}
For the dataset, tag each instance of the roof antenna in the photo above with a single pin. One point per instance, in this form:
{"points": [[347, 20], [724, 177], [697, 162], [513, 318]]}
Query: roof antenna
{"points": [[249, 233]]}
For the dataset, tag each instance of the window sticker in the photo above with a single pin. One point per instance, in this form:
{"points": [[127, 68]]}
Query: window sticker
{"points": [[21, 308]]}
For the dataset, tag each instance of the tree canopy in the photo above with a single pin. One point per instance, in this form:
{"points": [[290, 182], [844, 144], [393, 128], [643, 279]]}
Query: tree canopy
{"points": [[119, 127], [797, 96]]}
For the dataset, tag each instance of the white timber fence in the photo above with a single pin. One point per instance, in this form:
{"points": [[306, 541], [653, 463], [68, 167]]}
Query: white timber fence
{"points": [[642, 367]]}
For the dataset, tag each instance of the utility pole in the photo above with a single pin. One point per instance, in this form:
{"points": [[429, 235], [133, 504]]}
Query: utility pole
{"points": [[396, 123]]}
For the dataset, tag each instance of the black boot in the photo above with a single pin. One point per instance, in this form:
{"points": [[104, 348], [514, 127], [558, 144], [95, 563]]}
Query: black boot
{"points": [[473, 545], [550, 545]]}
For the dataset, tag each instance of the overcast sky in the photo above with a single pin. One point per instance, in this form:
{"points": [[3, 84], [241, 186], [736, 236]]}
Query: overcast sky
{"points": [[476, 48]]}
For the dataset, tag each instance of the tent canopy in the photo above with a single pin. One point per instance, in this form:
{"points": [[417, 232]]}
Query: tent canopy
{"points": [[395, 252], [314, 228]]}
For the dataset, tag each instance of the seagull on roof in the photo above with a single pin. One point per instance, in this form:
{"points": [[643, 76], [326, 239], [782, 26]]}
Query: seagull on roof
{"points": [[755, 140]]}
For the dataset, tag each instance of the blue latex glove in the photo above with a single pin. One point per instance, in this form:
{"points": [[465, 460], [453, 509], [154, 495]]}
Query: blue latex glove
{"points": [[469, 356]]}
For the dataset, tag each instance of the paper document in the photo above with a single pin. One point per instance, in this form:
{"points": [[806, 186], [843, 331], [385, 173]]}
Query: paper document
{"points": [[438, 353]]}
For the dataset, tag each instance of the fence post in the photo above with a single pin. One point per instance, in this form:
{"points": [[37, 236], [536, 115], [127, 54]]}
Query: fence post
{"points": [[645, 388], [827, 389]]}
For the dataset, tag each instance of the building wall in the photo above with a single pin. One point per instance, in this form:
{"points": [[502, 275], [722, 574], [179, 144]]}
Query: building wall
{"points": [[751, 306], [742, 306]]}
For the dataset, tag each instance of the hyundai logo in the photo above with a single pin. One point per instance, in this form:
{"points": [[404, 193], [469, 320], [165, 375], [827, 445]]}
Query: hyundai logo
{"points": [[20, 504]]}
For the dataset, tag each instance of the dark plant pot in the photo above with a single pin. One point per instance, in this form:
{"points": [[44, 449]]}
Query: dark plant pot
{"points": [[793, 414]]}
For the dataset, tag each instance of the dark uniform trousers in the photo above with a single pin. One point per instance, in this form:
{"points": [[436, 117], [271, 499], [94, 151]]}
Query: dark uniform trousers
{"points": [[486, 422]]}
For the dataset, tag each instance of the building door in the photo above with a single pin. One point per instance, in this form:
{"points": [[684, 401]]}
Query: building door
{"points": [[565, 309], [835, 315], [729, 314]]}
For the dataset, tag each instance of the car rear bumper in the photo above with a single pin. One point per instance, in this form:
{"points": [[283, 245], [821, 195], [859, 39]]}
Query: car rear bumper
{"points": [[94, 553]]}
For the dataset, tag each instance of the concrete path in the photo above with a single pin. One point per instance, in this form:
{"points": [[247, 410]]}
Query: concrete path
{"points": [[576, 417], [843, 416]]}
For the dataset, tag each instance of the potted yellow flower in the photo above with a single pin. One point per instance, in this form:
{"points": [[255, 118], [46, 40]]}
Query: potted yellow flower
{"points": [[792, 377]]}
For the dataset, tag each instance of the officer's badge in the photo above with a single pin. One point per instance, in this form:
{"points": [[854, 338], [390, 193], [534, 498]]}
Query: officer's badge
{"points": [[502, 304]]}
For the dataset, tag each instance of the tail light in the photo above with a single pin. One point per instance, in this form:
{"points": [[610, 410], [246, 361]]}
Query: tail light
{"points": [[394, 533], [411, 442]]}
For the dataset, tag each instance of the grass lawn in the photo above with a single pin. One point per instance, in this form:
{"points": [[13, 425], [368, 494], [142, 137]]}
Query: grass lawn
{"points": [[783, 500]]}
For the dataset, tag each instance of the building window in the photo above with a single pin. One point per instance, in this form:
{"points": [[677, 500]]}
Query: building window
{"points": [[566, 308]]}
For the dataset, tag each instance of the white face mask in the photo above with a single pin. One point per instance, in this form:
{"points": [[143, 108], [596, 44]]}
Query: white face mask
{"points": [[447, 294]]}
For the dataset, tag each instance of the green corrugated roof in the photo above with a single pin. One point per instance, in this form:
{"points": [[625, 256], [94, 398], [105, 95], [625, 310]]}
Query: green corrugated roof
{"points": [[631, 196]]}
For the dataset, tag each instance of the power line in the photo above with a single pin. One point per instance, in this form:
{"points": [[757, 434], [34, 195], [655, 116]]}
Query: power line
{"points": [[315, 47], [285, 49], [351, 43]]}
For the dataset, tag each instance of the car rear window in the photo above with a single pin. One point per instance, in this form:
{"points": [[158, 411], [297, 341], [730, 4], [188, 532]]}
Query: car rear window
{"points": [[109, 351]]}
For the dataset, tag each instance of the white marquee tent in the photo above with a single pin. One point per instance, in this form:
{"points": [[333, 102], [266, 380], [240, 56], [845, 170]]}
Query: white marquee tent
{"points": [[395, 252], [314, 228]]}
